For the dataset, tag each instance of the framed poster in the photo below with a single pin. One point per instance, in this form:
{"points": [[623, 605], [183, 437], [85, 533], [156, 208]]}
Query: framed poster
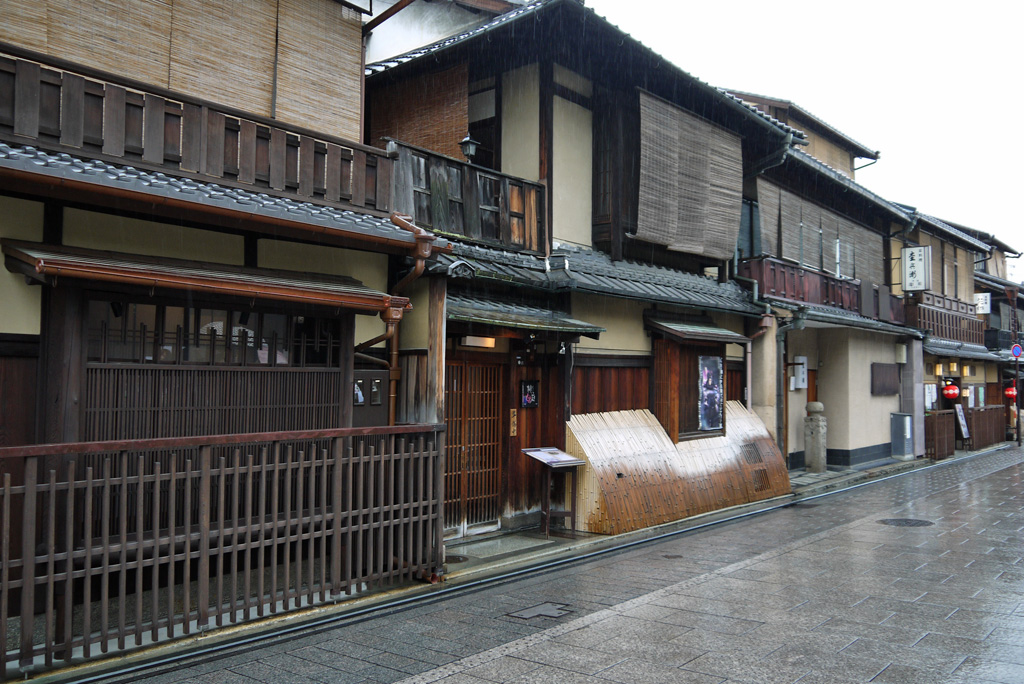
{"points": [[711, 391], [529, 392], [359, 393]]}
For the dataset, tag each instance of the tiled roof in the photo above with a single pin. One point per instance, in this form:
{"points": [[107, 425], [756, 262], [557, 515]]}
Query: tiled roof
{"points": [[587, 270], [531, 10], [963, 350], [820, 167], [866, 151], [494, 311], [952, 232], [341, 222], [841, 317], [998, 283]]}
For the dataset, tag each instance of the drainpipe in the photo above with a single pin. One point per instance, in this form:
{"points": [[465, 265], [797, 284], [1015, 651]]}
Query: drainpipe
{"points": [[423, 250], [392, 316], [797, 322]]}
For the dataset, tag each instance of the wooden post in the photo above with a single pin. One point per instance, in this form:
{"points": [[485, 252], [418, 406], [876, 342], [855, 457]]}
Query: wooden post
{"points": [[205, 493], [28, 559], [435, 351]]}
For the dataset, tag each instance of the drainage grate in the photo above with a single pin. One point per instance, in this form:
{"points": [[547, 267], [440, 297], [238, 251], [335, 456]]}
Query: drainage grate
{"points": [[671, 556], [905, 522], [455, 558], [551, 610]]}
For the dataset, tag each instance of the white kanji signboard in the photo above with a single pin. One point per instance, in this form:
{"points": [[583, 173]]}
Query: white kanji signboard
{"points": [[917, 268]]}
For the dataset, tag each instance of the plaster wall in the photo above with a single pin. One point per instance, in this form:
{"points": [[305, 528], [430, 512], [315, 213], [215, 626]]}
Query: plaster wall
{"points": [[22, 303], [623, 322], [800, 343], [417, 25], [95, 230], [572, 172], [856, 418], [520, 122], [414, 330]]}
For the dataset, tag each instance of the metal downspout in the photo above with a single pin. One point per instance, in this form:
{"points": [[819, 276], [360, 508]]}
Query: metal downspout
{"points": [[392, 317]]}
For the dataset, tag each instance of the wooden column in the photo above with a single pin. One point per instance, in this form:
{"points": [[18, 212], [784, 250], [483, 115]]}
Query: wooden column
{"points": [[62, 362]]}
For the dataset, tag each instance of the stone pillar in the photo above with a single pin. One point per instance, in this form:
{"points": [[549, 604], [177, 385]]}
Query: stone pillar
{"points": [[815, 431]]}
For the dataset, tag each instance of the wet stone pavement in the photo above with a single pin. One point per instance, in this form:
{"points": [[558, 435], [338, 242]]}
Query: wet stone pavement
{"points": [[820, 591]]}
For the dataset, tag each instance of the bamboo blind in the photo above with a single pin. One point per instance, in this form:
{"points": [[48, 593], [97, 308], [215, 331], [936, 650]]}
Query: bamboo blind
{"points": [[809, 235], [219, 50], [691, 176], [100, 34], [318, 76], [224, 51], [636, 477]]}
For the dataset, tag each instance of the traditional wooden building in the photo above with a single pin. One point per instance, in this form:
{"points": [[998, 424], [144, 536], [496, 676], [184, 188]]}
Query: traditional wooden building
{"points": [[199, 352], [592, 235]]}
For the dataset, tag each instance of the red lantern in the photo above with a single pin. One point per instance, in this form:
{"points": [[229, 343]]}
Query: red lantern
{"points": [[1010, 392], [951, 391]]}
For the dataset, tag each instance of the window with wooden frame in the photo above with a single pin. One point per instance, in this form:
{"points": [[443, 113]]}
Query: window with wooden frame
{"points": [[126, 332]]}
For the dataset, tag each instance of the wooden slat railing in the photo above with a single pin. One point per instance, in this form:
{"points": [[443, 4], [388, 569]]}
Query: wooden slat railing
{"points": [[71, 108], [948, 323], [939, 434], [784, 280], [124, 544], [987, 425], [452, 197]]}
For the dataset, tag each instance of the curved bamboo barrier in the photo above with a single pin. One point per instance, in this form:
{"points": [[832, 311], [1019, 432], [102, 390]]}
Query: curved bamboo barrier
{"points": [[635, 477]]}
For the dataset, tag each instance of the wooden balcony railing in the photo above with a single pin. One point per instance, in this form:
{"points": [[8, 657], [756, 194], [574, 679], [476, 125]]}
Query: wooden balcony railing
{"points": [[109, 546], [70, 108], [451, 197], [789, 281], [947, 318]]}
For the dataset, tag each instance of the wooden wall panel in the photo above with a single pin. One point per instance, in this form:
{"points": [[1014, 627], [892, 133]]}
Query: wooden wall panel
{"points": [[598, 389], [666, 385], [543, 426], [17, 402]]}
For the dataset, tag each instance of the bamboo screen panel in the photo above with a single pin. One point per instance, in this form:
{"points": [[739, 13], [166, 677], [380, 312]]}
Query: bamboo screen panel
{"points": [[691, 176], [25, 23], [814, 244], [315, 34], [96, 33], [768, 199], [224, 51]]}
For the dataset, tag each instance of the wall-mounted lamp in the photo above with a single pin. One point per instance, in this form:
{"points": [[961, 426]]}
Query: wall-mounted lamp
{"points": [[953, 366], [469, 147], [939, 369], [475, 341]]}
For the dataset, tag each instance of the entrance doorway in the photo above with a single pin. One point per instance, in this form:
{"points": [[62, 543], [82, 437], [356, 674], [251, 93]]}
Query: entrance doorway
{"points": [[473, 410]]}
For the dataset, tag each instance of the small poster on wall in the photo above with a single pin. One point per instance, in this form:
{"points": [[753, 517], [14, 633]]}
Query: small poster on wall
{"points": [[529, 391], [711, 392]]}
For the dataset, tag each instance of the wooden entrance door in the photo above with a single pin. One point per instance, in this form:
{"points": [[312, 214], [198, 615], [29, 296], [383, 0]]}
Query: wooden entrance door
{"points": [[473, 393]]}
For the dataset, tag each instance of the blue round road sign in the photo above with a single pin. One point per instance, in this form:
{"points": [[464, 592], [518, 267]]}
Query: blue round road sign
{"points": [[1016, 351]]}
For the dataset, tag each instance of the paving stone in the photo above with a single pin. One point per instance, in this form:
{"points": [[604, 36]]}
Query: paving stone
{"points": [[637, 671]]}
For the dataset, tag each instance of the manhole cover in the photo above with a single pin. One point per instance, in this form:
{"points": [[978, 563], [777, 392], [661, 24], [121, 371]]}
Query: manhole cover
{"points": [[455, 558], [552, 610], [905, 522]]}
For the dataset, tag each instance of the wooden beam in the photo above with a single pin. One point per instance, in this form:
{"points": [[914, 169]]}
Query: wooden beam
{"points": [[385, 15]]}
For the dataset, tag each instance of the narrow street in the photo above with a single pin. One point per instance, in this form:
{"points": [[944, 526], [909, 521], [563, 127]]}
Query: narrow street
{"points": [[917, 578]]}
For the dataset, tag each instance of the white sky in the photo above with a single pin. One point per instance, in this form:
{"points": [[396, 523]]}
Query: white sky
{"points": [[935, 86]]}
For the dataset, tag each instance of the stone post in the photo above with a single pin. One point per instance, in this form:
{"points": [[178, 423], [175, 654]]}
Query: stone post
{"points": [[815, 431]]}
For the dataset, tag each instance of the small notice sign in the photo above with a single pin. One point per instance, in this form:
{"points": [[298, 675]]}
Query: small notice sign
{"points": [[553, 458], [962, 421]]}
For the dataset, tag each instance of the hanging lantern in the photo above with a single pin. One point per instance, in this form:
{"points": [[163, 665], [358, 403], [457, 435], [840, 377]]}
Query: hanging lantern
{"points": [[1010, 392], [951, 391]]}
